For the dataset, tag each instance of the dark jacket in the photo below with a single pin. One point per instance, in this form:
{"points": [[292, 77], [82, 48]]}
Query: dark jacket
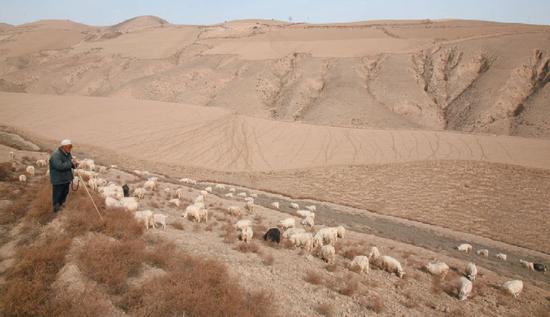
{"points": [[61, 167]]}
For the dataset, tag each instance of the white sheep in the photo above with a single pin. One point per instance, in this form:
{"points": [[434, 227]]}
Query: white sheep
{"points": [[219, 186], [176, 202], [246, 234], [150, 185], [308, 221], [87, 164], [111, 202], [326, 235], [92, 182], [241, 224], [12, 155], [501, 256], [302, 240], [180, 193], [249, 206], [275, 204], [328, 253], [305, 213], [102, 169], [311, 208], [145, 216], [437, 268], [22, 178], [513, 287], [361, 262], [188, 181], [528, 265], [465, 247], [41, 163], [167, 190], [113, 166], [242, 194], [374, 253], [139, 192], [482, 252], [249, 199], [234, 211], [294, 206], [471, 271], [254, 195], [30, 170], [159, 219], [229, 195], [76, 181], [291, 231], [287, 223], [129, 203], [204, 193], [196, 213], [391, 265], [111, 190], [464, 288], [340, 231], [232, 189]]}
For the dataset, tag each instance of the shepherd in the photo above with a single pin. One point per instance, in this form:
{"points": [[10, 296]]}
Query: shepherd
{"points": [[61, 173]]}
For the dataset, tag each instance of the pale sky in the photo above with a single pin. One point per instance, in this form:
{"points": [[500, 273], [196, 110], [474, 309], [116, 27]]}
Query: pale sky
{"points": [[108, 12]]}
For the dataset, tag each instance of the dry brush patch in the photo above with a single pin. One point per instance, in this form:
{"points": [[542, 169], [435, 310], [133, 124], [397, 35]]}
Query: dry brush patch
{"points": [[325, 309]]}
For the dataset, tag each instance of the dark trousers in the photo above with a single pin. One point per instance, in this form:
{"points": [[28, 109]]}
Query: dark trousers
{"points": [[59, 195]]}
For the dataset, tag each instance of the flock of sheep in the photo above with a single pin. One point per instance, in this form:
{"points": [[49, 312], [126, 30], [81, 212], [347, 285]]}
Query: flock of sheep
{"points": [[320, 242]]}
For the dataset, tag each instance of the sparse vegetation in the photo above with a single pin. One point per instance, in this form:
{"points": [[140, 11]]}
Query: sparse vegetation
{"points": [[325, 309], [313, 277]]}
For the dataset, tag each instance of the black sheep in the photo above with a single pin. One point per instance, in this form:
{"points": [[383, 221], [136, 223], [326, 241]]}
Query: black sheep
{"points": [[539, 267], [273, 235], [126, 190]]}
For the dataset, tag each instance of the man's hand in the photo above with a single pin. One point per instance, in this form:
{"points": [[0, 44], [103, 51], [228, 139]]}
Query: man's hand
{"points": [[75, 163]]}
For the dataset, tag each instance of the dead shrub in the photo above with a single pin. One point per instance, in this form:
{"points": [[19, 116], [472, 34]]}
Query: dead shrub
{"points": [[160, 254], [351, 253], [210, 227], [178, 225], [375, 304], [313, 277], [228, 234], [325, 309], [410, 300], [5, 171], [89, 302], [331, 267], [349, 287], [40, 209], [259, 231], [197, 227], [251, 247], [111, 262], [268, 259]]}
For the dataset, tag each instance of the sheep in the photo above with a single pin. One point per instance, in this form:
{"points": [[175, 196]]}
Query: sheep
{"points": [[30, 170], [311, 208], [471, 271], [513, 287], [102, 169], [465, 247], [326, 235], [219, 186], [275, 204], [129, 203], [483, 252], [391, 265], [204, 193], [111, 190], [167, 190], [287, 223], [232, 189], [150, 185], [113, 166], [234, 211], [159, 219], [197, 213], [199, 199], [76, 181], [305, 213], [92, 182], [361, 262], [249, 199], [180, 193], [176, 202], [308, 221], [12, 156], [254, 195], [41, 163], [246, 234], [188, 181], [290, 231], [302, 240], [139, 192], [294, 206], [208, 189], [539, 267], [528, 265], [101, 182], [145, 216], [437, 268], [239, 225], [249, 206], [501, 256], [340, 231], [464, 288], [328, 253], [273, 235], [229, 195], [242, 194], [374, 253], [111, 202], [22, 178]]}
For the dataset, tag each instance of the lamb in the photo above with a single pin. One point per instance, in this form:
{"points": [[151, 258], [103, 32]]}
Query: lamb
{"points": [[528, 265], [501, 256], [328, 253], [465, 247], [249, 206], [513, 287], [22, 178], [139, 193], [234, 211], [246, 234], [241, 224], [483, 252], [129, 203], [30, 170], [391, 265], [294, 206], [12, 156], [291, 231], [374, 253], [471, 271], [176, 202], [159, 219], [287, 223], [275, 204], [302, 240], [326, 235], [305, 213], [465, 288], [41, 163], [242, 194], [180, 193], [308, 221], [311, 208], [437, 268], [150, 185], [273, 235], [145, 216], [229, 195], [208, 189], [361, 262]]}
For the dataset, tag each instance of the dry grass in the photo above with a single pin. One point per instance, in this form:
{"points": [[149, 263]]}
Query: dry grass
{"points": [[314, 278], [331, 267], [178, 225], [325, 309], [251, 247], [374, 303], [5, 171], [268, 259], [350, 286], [350, 253], [228, 234]]}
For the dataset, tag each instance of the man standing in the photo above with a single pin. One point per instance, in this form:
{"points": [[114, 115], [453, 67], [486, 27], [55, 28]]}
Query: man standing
{"points": [[61, 173]]}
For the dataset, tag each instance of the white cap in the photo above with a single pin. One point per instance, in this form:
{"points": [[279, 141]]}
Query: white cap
{"points": [[66, 142]]}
